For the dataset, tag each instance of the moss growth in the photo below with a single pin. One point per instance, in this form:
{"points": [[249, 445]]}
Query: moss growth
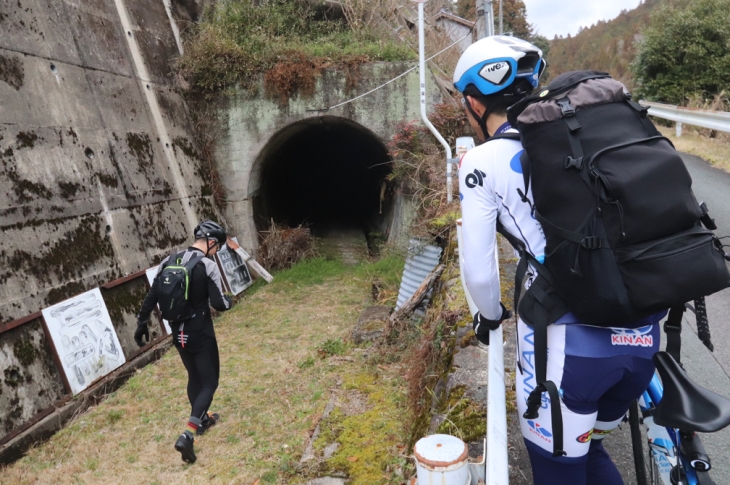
{"points": [[465, 418], [65, 258], [64, 292], [152, 228], [368, 441], [186, 147], [108, 180], [141, 147], [26, 140], [11, 70], [13, 376], [205, 209], [25, 351], [69, 189], [125, 299]]}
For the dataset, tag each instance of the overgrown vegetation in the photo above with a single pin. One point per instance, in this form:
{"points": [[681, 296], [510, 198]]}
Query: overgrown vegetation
{"points": [[290, 41], [419, 165], [685, 53], [282, 246]]}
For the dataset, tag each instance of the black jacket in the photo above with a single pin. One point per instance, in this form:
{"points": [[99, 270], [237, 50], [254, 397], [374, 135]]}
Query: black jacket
{"points": [[205, 287]]}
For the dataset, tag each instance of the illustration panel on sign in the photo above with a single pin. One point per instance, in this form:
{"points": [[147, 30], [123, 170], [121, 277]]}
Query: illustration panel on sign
{"points": [[85, 339], [151, 275], [234, 270]]}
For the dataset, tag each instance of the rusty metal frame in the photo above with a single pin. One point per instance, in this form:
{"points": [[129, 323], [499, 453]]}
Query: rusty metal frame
{"points": [[20, 321], [57, 361], [123, 280], [93, 387]]}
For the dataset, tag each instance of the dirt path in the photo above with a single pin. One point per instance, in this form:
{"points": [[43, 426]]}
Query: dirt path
{"points": [[283, 358]]}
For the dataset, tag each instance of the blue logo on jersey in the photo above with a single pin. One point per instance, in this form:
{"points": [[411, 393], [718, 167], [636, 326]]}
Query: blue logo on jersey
{"points": [[515, 164], [539, 430]]}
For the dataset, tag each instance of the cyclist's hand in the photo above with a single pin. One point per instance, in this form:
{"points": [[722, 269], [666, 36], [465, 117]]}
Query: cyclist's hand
{"points": [[142, 331], [482, 326]]}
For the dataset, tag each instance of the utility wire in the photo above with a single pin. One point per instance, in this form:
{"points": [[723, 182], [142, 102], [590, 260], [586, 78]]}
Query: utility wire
{"points": [[392, 80]]}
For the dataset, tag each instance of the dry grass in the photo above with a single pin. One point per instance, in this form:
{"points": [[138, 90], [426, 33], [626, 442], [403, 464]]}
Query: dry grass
{"points": [[715, 150], [272, 391], [284, 246]]}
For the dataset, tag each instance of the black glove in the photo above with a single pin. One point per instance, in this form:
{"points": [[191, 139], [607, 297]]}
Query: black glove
{"points": [[482, 326], [142, 331]]}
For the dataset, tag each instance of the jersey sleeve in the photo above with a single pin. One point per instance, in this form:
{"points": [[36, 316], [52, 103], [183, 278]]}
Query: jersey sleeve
{"points": [[479, 208], [150, 300], [218, 299]]}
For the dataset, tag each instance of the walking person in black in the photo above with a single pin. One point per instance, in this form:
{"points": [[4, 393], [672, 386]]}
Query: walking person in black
{"points": [[193, 334]]}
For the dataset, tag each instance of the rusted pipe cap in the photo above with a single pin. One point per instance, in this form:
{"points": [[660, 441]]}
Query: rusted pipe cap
{"points": [[440, 451]]}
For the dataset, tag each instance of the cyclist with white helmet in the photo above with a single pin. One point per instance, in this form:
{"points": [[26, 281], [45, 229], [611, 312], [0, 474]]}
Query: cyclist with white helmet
{"points": [[598, 371]]}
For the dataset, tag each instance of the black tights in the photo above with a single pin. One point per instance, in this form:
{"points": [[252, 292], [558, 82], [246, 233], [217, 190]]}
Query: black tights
{"points": [[203, 365]]}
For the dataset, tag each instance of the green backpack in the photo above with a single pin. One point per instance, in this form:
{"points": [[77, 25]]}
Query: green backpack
{"points": [[173, 283]]}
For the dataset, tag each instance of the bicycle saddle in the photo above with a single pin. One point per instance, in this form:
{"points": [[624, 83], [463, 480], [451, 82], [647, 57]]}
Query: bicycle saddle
{"points": [[686, 405]]}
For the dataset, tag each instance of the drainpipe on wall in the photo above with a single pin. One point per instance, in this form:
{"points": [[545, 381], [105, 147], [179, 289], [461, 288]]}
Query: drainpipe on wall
{"points": [[424, 116]]}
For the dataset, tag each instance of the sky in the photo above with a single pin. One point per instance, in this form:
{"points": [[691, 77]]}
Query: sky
{"points": [[562, 17]]}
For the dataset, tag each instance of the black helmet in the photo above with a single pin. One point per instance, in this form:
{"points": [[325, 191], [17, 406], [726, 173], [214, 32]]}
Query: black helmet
{"points": [[210, 230]]}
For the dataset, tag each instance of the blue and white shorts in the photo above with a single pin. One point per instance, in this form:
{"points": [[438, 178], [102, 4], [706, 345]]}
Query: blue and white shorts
{"points": [[599, 371]]}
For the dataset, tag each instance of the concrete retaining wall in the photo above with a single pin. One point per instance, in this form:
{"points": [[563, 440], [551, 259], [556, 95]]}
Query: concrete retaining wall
{"points": [[99, 176]]}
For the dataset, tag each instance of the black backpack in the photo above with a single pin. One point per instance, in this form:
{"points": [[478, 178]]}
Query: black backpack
{"points": [[625, 236], [173, 284]]}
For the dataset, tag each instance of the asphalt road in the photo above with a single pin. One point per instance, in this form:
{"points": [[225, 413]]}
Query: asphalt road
{"points": [[709, 369]]}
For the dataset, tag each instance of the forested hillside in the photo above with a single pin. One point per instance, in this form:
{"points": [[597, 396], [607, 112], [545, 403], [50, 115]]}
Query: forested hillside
{"points": [[606, 46]]}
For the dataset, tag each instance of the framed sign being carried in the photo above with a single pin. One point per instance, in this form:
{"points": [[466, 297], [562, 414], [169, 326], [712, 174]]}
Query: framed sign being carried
{"points": [[234, 270]]}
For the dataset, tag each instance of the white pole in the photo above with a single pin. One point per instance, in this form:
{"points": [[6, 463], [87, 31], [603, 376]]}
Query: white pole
{"points": [[424, 116], [497, 463]]}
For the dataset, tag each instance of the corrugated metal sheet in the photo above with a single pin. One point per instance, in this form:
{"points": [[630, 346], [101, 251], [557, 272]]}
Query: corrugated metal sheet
{"points": [[422, 260]]}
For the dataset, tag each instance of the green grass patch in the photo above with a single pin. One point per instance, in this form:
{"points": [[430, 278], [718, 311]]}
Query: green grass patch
{"points": [[310, 272], [331, 347]]}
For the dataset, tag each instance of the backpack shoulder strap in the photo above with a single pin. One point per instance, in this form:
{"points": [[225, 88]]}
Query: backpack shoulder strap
{"points": [[170, 261], [194, 259]]}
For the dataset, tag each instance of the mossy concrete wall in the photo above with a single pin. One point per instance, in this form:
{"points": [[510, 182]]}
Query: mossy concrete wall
{"points": [[99, 176], [87, 190], [253, 119]]}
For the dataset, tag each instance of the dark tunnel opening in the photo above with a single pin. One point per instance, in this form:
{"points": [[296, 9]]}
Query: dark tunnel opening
{"points": [[326, 173]]}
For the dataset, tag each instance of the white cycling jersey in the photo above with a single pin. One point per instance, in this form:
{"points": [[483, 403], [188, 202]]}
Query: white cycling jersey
{"points": [[489, 176]]}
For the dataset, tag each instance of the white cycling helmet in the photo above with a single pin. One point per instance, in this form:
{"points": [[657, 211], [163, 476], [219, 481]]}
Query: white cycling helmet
{"points": [[494, 63]]}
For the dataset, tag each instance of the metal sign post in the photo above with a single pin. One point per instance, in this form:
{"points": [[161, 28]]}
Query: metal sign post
{"points": [[424, 116]]}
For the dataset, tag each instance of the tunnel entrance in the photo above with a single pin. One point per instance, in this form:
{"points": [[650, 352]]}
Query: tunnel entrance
{"points": [[325, 172]]}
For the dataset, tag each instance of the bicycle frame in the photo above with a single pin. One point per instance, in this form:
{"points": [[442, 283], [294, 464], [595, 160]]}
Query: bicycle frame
{"points": [[664, 443]]}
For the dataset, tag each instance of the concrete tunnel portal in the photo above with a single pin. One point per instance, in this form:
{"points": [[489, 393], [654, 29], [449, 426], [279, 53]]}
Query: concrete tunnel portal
{"points": [[326, 172]]}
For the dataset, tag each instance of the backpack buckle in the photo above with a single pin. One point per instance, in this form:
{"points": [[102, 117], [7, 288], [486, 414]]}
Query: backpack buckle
{"points": [[565, 107], [591, 242], [571, 162]]}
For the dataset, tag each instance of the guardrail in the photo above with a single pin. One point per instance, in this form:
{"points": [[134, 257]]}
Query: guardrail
{"points": [[715, 120]]}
